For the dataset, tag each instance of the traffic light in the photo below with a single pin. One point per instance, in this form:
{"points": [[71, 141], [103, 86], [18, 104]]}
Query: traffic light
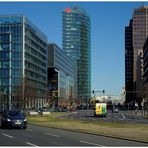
{"points": [[103, 91], [93, 91]]}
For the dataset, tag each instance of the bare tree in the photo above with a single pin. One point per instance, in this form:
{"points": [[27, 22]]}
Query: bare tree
{"points": [[24, 93], [1, 99]]}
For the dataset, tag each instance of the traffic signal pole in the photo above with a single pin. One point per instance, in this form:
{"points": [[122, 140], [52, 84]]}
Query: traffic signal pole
{"points": [[98, 91]]}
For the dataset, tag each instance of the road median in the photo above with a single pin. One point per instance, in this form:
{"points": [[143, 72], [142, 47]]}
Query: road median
{"points": [[137, 132]]}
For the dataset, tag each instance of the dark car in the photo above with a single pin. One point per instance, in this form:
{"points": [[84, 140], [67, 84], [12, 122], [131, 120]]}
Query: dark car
{"points": [[12, 118]]}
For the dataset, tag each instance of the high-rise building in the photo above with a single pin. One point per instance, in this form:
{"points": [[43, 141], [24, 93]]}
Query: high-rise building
{"points": [[139, 29], [145, 71], [139, 79], [140, 32], [23, 63], [76, 44], [61, 77], [129, 62]]}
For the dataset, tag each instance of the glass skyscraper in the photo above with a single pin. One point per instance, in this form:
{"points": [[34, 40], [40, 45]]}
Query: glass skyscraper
{"points": [[23, 63], [76, 44]]}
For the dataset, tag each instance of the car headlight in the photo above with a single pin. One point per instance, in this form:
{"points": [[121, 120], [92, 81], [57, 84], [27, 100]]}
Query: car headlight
{"points": [[25, 119], [8, 120]]}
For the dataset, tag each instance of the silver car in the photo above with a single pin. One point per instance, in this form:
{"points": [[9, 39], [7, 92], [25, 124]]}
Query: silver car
{"points": [[115, 110]]}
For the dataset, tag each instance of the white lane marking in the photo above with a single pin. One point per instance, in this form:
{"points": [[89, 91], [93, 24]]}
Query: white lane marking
{"points": [[29, 130], [52, 135], [122, 115], [7, 135], [86, 142], [31, 144]]}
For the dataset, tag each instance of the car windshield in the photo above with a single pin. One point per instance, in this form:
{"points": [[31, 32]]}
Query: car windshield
{"points": [[14, 114]]}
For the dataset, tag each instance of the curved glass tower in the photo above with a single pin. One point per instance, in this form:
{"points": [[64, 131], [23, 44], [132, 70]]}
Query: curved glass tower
{"points": [[76, 44]]}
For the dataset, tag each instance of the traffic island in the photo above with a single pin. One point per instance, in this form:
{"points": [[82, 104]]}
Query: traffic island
{"points": [[130, 131]]}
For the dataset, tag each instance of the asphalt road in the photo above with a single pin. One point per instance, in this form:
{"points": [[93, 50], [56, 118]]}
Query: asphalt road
{"points": [[121, 116], [43, 136]]}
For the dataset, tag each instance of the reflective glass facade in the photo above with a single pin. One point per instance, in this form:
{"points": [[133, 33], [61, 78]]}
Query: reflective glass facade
{"points": [[23, 63], [65, 72], [76, 44]]}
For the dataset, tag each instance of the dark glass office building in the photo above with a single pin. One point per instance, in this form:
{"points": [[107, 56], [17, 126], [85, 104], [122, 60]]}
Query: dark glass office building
{"points": [[61, 76], [129, 63], [23, 63], [145, 76], [135, 36], [76, 44]]}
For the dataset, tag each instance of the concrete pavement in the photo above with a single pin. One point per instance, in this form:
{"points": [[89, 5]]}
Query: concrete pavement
{"points": [[121, 116]]}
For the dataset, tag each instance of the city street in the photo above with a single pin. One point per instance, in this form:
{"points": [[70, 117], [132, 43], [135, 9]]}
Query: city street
{"points": [[121, 116], [42, 136], [74, 73]]}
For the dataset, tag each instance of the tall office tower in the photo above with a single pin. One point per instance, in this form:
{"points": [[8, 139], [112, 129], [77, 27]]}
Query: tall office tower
{"points": [[76, 44], [129, 62], [61, 76], [23, 63], [145, 76], [139, 34], [139, 78]]}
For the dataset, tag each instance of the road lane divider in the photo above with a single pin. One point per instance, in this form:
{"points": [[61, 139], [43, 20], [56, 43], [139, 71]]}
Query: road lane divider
{"points": [[7, 135], [123, 115], [31, 144], [90, 143], [52, 135]]}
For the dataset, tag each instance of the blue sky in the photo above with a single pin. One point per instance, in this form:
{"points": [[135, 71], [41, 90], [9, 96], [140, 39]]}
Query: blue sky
{"points": [[108, 21]]}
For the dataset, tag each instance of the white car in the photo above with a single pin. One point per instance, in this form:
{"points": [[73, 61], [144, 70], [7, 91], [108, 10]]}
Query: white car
{"points": [[115, 110]]}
